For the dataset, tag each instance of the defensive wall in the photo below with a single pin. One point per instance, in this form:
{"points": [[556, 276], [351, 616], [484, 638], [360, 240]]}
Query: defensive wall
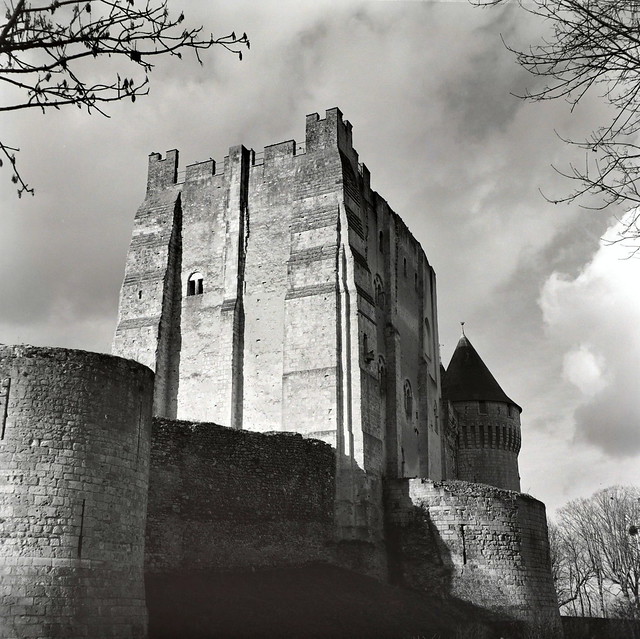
{"points": [[74, 462], [482, 544], [222, 499]]}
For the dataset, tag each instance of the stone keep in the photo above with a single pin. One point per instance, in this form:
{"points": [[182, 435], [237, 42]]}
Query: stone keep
{"points": [[279, 292]]}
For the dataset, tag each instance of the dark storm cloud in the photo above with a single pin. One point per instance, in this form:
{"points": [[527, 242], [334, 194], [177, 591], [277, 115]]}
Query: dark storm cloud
{"points": [[591, 318], [610, 422]]}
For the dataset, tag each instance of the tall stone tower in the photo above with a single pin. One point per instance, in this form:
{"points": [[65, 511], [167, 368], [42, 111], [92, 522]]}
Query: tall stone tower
{"points": [[488, 421], [278, 291]]}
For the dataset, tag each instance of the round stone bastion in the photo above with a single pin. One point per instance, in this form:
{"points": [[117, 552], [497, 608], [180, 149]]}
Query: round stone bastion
{"points": [[74, 467]]}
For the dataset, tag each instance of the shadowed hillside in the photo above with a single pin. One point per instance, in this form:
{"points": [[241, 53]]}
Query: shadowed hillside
{"points": [[314, 601]]}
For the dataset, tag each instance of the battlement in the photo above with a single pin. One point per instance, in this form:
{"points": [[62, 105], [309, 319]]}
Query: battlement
{"points": [[332, 130], [163, 172], [320, 134]]}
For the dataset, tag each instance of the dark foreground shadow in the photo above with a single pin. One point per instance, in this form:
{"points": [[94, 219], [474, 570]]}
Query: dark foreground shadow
{"points": [[316, 600], [597, 628]]}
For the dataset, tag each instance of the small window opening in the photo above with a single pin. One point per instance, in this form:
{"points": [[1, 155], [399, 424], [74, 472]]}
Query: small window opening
{"points": [[195, 284], [405, 267], [381, 242], [427, 337], [378, 291], [367, 352], [408, 399], [415, 280], [139, 295], [482, 408], [382, 376]]}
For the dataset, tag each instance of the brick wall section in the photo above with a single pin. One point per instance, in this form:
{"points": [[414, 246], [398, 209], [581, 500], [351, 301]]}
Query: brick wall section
{"points": [[222, 498], [74, 460], [476, 542]]}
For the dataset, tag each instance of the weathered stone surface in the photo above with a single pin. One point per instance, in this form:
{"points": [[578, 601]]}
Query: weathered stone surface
{"points": [[221, 498], [74, 460], [473, 541]]}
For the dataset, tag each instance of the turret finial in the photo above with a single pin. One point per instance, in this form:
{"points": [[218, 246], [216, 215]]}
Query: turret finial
{"points": [[462, 326]]}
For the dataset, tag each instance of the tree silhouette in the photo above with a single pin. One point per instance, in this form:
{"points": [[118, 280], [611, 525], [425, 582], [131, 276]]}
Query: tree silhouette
{"points": [[47, 49], [596, 554], [593, 46]]}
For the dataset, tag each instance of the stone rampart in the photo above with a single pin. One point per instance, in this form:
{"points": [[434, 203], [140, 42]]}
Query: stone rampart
{"points": [[223, 499], [472, 541], [74, 461]]}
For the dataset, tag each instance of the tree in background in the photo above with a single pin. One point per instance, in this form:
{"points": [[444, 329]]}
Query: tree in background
{"points": [[595, 551], [593, 46], [48, 49]]}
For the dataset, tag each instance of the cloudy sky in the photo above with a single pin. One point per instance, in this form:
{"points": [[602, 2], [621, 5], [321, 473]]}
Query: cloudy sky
{"points": [[428, 87]]}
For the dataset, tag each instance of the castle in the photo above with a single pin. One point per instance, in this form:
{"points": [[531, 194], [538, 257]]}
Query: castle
{"points": [[298, 410]]}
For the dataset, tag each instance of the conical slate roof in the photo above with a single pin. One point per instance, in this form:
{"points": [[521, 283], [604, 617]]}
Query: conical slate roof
{"points": [[468, 378]]}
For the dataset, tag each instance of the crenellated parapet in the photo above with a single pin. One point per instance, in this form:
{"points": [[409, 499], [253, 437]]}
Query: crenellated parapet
{"points": [[163, 172]]}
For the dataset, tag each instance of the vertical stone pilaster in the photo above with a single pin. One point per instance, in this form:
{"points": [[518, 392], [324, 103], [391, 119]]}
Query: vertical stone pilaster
{"points": [[232, 311]]}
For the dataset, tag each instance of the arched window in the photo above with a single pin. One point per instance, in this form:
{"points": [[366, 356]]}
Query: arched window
{"points": [[378, 291], [195, 284], [408, 399], [382, 375], [427, 338]]}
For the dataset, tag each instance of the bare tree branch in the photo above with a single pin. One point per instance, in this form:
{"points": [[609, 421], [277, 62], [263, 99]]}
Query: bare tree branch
{"points": [[44, 46], [595, 558], [593, 45]]}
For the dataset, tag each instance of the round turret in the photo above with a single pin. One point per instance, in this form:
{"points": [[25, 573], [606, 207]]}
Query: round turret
{"points": [[74, 454], [488, 421]]}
